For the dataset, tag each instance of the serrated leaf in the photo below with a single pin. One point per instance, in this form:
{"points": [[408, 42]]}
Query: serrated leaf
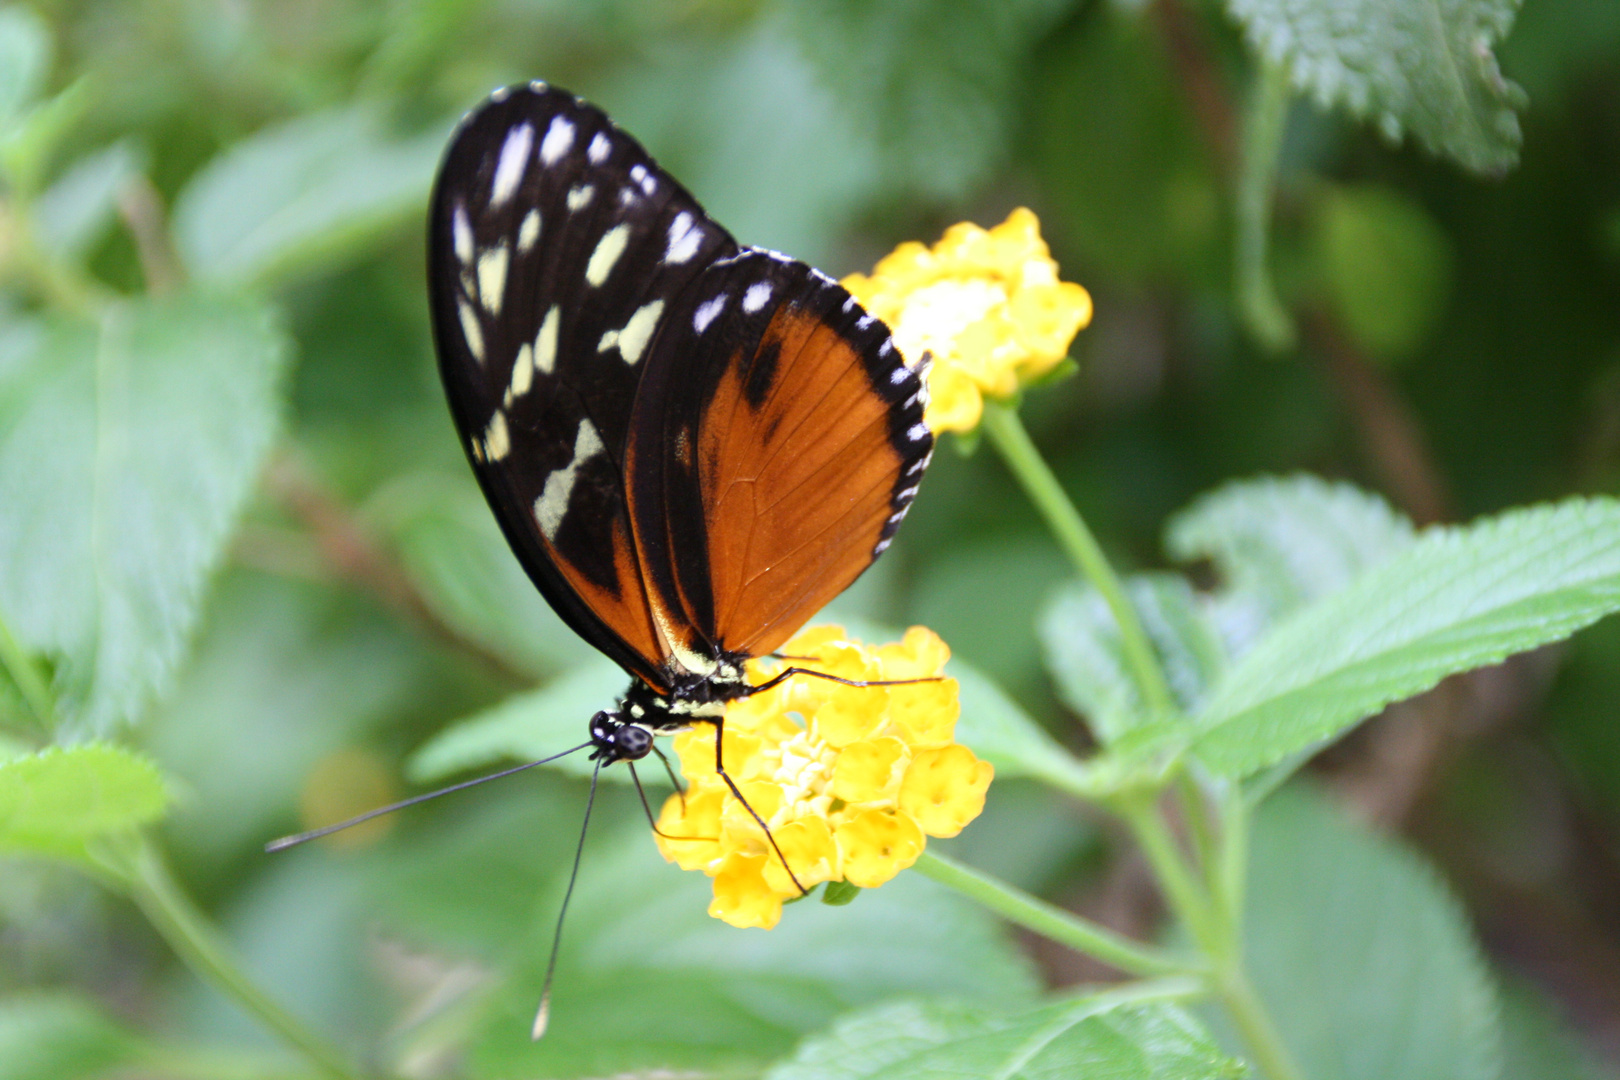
{"points": [[59, 1037], [53, 801], [1423, 66], [1100, 1036], [315, 188], [25, 58], [1458, 599], [933, 80], [1086, 656], [1279, 543], [127, 449], [639, 931], [1364, 960], [71, 214]]}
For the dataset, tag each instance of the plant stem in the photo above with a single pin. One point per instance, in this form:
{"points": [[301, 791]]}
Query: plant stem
{"points": [[188, 932], [20, 666], [1263, 128], [1181, 886], [1063, 927], [1254, 1025], [1012, 441]]}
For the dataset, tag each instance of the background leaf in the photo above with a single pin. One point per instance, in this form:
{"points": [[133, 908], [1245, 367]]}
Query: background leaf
{"points": [[72, 213], [1365, 961], [25, 60], [312, 189], [126, 453], [59, 1037], [1423, 66], [53, 801], [1458, 599], [1104, 1035]]}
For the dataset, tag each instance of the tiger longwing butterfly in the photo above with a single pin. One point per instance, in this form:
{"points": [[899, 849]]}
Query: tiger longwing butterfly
{"points": [[691, 445]]}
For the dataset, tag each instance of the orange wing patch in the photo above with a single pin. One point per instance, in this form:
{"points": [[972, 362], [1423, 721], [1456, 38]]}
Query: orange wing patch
{"points": [[626, 614], [797, 468]]}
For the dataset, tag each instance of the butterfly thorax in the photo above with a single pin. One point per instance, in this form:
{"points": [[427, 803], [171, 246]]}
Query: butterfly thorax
{"points": [[626, 733]]}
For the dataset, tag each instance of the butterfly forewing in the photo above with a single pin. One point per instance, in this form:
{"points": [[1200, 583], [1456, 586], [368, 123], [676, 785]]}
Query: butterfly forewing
{"points": [[776, 444], [557, 250]]}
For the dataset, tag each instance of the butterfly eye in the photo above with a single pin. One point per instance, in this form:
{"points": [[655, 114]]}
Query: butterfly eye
{"points": [[633, 742]]}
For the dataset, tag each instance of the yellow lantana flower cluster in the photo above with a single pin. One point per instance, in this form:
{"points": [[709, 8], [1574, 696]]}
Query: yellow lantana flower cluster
{"points": [[851, 780], [987, 304]]}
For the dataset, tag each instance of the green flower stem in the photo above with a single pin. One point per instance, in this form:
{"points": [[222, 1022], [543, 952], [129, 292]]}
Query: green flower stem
{"points": [[20, 666], [188, 932], [1012, 441], [1186, 894], [1263, 128], [1063, 927], [1254, 1026]]}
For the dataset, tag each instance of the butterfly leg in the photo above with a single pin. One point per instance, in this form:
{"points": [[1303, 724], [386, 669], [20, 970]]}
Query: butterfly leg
{"points": [[787, 674], [680, 788], [648, 807], [720, 767]]}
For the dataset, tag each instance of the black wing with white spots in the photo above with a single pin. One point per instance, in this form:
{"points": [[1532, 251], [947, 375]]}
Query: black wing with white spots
{"points": [[556, 246]]}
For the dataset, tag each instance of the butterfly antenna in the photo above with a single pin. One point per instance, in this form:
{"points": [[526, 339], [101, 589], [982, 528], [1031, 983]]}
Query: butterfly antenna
{"points": [[315, 834], [543, 1016]]}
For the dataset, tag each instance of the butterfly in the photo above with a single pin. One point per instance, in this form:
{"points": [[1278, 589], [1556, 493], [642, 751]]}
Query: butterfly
{"points": [[690, 444]]}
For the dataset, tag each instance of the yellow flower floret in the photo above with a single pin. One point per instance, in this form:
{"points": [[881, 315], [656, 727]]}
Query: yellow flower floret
{"points": [[988, 306], [851, 780]]}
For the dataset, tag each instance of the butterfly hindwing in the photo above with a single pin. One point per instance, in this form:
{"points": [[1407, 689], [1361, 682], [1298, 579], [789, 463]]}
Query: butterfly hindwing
{"points": [[557, 248], [776, 443]]}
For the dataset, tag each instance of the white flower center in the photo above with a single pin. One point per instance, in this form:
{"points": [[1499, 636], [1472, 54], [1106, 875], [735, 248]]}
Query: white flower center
{"points": [[804, 771], [935, 315]]}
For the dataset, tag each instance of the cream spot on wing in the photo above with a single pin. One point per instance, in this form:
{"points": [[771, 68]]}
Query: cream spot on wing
{"points": [[707, 312], [600, 148], [579, 198], [472, 330], [461, 230], [684, 239], [497, 440], [559, 137], [492, 276], [552, 505], [509, 169], [607, 252], [545, 343], [522, 371], [529, 231], [645, 180], [639, 330], [756, 296]]}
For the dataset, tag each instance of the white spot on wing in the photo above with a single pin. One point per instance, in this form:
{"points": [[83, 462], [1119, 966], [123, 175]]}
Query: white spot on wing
{"points": [[545, 343], [917, 432], [900, 375], [600, 148], [756, 296], [497, 441], [461, 230], [559, 137], [865, 321], [707, 312], [552, 504], [472, 331], [509, 169], [529, 231], [492, 277], [883, 545], [522, 371], [608, 250], [645, 180], [684, 238], [580, 197], [639, 330], [886, 348]]}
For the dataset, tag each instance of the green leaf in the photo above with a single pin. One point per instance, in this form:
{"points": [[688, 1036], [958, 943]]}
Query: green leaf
{"points": [[27, 144], [442, 530], [1100, 1037], [126, 452], [1419, 65], [53, 801], [935, 81], [311, 191], [25, 59], [72, 213], [530, 726], [1363, 958], [1458, 599], [1386, 264], [1086, 655], [1538, 1043], [638, 931], [1279, 543], [59, 1037]]}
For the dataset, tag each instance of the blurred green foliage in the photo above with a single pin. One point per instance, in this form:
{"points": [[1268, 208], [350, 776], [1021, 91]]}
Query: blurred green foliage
{"points": [[240, 189]]}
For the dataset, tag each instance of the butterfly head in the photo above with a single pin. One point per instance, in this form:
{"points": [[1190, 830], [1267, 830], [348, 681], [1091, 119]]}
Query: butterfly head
{"points": [[615, 738]]}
